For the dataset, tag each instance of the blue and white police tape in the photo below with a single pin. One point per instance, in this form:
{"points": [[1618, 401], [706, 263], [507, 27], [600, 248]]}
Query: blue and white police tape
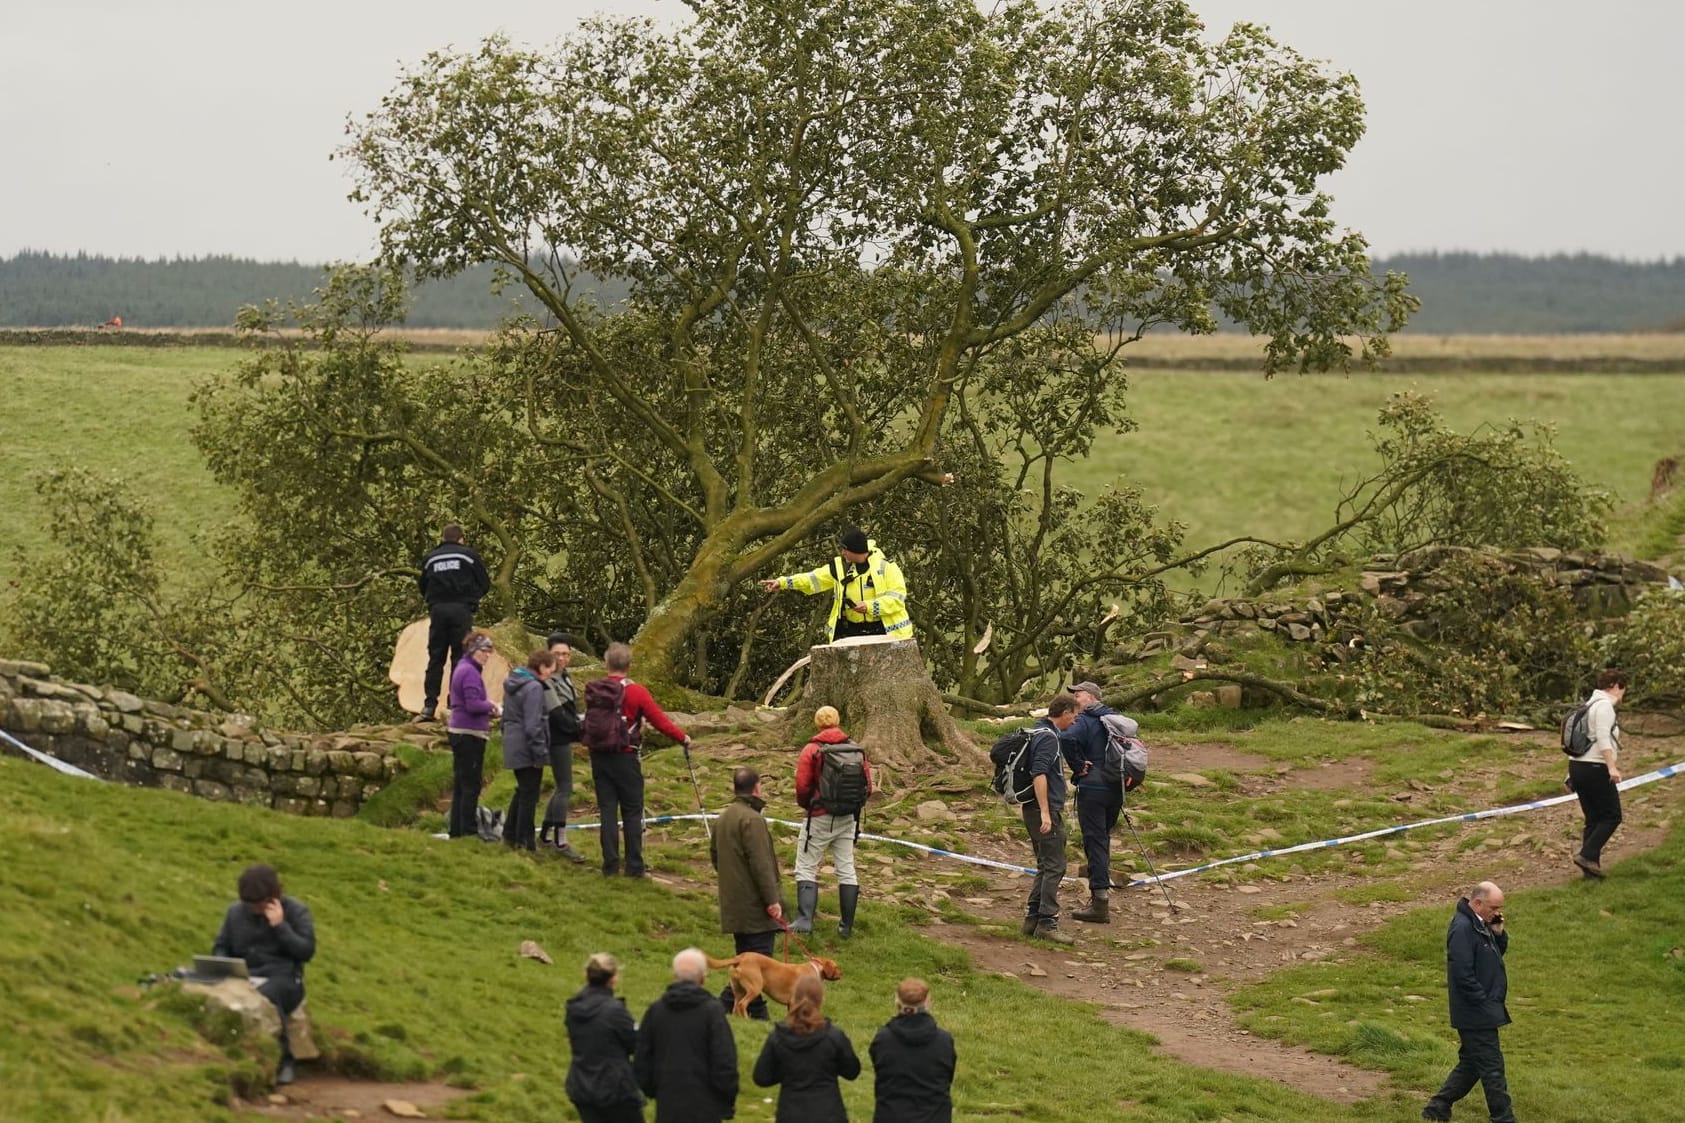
{"points": [[44, 758], [1664, 773]]}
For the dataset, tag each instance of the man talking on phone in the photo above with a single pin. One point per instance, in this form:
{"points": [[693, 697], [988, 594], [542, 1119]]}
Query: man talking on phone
{"points": [[1476, 984], [274, 934]]}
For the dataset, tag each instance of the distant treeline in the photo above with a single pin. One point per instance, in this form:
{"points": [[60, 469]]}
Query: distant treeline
{"points": [[1460, 292]]}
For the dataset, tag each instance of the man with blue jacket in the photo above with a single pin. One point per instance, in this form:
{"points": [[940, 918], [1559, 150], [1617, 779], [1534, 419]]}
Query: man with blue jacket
{"points": [[1098, 803], [1476, 984]]}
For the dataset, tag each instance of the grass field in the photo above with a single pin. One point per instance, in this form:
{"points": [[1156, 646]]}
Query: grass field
{"points": [[416, 976], [1224, 452]]}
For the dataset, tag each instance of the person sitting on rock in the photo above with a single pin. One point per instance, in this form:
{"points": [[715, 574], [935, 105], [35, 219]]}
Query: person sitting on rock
{"points": [[274, 934]]}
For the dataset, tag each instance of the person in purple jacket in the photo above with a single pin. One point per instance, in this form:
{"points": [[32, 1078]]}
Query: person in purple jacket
{"points": [[469, 727]]}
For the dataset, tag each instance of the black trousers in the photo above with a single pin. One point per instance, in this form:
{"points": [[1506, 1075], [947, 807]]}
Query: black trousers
{"points": [[1050, 863], [1479, 1060], [287, 993], [618, 779], [846, 628], [468, 767], [627, 1112], [523, 805], [1600, 803], [561, 766], [447, 627], [762, 942], [1097, 812]]}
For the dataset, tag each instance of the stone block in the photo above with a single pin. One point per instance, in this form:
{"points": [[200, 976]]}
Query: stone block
{"points": [[316, 761], [23, 715], [15, 668], [341, 762], [307, 785], [210, 789], [57, 717], [236, 1011], [1228, 696], [193, 767], [182, 740], [279, 758], [90, 721], [51, 690], [369, 765], [1298, 632], [134, 723], [253, 797], [175, 783], [166, 760], [139, 750], [125, 702], [297, 760], [344, 809], [291, 805], [162, 710]]}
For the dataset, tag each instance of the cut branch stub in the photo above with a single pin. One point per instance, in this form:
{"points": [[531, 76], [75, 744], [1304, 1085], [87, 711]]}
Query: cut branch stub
{"points": [[888, 704]]}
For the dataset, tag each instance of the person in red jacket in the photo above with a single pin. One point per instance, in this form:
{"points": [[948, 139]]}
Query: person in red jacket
{"points": [[615, 711], [829, 828]]}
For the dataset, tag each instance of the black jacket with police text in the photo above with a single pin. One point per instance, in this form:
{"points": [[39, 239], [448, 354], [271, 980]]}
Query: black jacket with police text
{"points": [[452, 573]]}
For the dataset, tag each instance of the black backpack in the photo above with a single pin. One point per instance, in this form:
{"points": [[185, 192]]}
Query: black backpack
{"points": [[1012, 758], [1125, 762], [1576, 730], [604, 728], [843, 787]]}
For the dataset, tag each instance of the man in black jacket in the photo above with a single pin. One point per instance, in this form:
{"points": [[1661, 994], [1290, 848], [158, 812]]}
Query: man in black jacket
{"points": [[274, 934], [1476, 984], [453, 580], [687, 1058], [1098, 803]]}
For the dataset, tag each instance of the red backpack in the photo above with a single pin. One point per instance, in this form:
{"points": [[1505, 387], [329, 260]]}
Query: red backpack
{"points": [[604, 729]]}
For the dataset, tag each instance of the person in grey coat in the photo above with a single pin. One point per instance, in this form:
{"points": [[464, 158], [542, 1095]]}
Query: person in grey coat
{"points": [[1476, 985], [526, 744]]}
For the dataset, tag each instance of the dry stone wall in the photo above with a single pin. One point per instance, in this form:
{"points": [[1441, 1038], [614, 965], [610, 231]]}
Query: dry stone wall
{"points": [[120, 737]]}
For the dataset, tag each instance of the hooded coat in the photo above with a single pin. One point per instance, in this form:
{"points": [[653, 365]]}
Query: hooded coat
{"points": [[687, 1058], [526, 729], [602, 1039], [806, 1067], [913, 1059]]}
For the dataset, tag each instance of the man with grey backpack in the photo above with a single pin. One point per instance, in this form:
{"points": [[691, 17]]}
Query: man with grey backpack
{"points": [[1099, 791], [1592, 739]]}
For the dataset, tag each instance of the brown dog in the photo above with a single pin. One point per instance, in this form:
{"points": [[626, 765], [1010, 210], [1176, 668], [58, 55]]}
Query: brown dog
{"points": [[753, 973]]}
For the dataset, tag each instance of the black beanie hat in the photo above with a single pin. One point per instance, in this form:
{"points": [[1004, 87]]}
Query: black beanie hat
{"points": [[854, 540]]}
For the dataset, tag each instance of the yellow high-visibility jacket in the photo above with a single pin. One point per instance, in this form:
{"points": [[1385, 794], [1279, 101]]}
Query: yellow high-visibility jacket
{"points": [[878, 586]]}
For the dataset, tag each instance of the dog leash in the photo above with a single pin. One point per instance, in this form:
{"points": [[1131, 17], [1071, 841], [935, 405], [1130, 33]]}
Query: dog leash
{"points": [[789, 934]]}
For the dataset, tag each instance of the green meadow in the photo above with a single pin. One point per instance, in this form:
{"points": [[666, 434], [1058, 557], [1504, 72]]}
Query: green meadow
{"points": [[1225, 453]]}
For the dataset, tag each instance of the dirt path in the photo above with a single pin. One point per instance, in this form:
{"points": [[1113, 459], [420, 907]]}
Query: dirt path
{"points": [[333, 1097], [1170, 973]]}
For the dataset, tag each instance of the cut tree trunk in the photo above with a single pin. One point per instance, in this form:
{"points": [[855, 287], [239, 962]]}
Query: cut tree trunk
{"points": [[888, 704]]}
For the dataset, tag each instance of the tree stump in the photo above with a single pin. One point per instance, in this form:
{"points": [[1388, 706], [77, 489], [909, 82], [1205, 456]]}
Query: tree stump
{"points": [[887, 701]]}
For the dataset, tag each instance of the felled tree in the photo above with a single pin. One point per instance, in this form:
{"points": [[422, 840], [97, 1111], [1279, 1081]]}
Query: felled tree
{"points": [[827, 215]]}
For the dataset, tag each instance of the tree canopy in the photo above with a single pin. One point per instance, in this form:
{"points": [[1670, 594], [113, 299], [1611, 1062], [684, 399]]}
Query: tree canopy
{"points": [[835, 219]]}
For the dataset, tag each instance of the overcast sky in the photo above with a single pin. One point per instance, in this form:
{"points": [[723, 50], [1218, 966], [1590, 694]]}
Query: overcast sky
{"points": [[188, 127]]}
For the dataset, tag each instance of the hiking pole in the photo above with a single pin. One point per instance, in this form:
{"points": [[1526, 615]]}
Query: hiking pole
{"points": [[697, 788], [1171, 905]]}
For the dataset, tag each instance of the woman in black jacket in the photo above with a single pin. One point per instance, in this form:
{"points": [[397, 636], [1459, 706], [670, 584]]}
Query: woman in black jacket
{"points": [[913, 1058], [806, 1054], [602, 1038]]}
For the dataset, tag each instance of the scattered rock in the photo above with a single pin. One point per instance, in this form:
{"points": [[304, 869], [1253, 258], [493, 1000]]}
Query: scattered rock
{"points": [[935, 811], [531, 950], [1034, 971], [404, 1109], [1193, 780]]}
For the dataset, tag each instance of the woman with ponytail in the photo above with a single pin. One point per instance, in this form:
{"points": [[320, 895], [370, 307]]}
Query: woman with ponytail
{"points": [[914, 1061], [804, 1056]]}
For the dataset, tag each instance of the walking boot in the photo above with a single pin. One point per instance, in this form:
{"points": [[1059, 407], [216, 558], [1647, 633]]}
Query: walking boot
{"points": [[850, 896], [807, 903], [1049, 931], [1028, 928], [1098, 910]]}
